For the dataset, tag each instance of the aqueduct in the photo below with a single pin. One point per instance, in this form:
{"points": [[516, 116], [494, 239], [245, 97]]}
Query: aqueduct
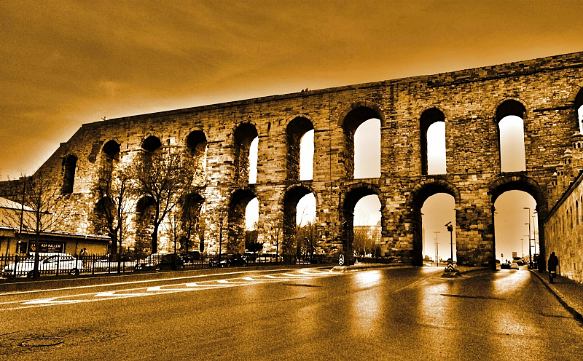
{"points": [[544, 93]]}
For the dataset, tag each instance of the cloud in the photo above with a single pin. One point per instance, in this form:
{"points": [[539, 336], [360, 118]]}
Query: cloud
{"points": [[65, 63]]}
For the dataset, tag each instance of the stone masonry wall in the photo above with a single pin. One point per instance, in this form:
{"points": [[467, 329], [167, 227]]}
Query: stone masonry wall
{"points": [[468, 99], [564, 231]]}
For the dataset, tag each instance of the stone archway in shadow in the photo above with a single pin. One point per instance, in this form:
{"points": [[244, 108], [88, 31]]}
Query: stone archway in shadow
{"points": [[236, 219], [290, 203], [521, 182], [355, 194], [419, 195]]}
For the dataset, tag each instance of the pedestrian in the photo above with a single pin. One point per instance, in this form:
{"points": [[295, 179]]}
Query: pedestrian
{"points": [[552, 265]]}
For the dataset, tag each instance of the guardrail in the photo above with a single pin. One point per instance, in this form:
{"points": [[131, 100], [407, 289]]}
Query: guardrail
{"points": [[61, 264]]}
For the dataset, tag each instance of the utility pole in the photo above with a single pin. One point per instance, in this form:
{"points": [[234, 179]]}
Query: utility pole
{"points": [[450, 230], [220, 236], [534, 226], [529, 250], [436, 250]]}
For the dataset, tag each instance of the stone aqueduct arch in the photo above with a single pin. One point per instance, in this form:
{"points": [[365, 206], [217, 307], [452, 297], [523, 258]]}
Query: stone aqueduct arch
{"points": [[467, 101]]}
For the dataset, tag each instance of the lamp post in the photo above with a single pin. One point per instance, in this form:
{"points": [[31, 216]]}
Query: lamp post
{"points": [[450, 270], [529, 250], [220, 236], [449, 227], [436, 250], [534, 226]]}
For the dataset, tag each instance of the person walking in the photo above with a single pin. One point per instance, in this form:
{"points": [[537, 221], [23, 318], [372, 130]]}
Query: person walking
{"points": [[552, 265]]}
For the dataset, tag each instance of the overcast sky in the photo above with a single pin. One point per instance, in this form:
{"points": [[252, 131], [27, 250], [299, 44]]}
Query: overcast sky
{"points": [[65, 63]]}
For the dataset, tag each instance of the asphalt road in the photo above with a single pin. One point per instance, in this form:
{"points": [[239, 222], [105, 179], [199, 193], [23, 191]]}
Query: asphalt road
{"points": [[300, 314]]}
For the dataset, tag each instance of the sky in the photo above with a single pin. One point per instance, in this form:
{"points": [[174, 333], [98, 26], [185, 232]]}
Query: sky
{"points": [[65, 63]]}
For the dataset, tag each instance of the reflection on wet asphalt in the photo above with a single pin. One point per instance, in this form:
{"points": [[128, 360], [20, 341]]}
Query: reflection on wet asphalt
{"points": [[381, 314]]}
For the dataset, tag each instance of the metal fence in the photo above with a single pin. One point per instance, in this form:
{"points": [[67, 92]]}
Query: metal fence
{"points": [[61, 264]]}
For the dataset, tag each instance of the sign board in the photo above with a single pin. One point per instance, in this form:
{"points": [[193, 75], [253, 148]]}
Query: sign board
{"points": [[48, 247]]}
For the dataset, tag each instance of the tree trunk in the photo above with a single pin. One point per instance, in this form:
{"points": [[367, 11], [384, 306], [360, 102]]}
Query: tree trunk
{"points": [[154, 246]]}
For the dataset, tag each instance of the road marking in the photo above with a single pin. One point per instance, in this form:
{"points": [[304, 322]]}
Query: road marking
{"points": [[134, 282], [166, 289], [49, 301]]}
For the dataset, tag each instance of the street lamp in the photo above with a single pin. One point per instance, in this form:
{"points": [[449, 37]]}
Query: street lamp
{"points": [[449, 227], [529, 250], [220, 235], [534, 227], [436, 250]]}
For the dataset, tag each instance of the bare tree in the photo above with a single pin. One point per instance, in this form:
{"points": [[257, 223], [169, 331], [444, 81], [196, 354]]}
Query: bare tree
{"points": [[46, 209], [161, 176], [191, 204], [115, 206], [366, 240], [306, 239]]}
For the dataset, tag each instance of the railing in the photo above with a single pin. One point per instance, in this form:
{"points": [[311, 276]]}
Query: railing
{"points": [[61, 264]]}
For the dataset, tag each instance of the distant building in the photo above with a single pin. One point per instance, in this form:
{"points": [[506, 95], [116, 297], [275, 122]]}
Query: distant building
{"points": [[17, 238]]}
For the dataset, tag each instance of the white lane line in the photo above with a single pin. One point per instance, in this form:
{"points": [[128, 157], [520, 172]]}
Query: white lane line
{"points": [[136, 282], [156, 290], [121, 294], [42, 301]]}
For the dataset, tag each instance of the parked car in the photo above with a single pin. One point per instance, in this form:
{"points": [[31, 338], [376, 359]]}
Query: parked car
{"points": [[228, 260], [191, 256], [171, 261], [149, 263], [250, 256], [517, 262], [18, 268], [57, 263]]}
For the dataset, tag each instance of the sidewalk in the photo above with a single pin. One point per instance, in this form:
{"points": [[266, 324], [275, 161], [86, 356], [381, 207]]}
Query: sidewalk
{"points": [[568, 292]]}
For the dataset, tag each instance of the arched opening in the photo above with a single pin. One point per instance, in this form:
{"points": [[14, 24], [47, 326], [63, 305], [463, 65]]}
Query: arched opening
{"points": [[104, 221], [253, 154], [299, 224], [519, 208], [300, 149], [192, 237], [433, 208], [362, 130], [433, 147], [109, 156], [103, 212], [366, 227], [362, 214], [516, 229], [579, 109], [246, 147], [510, 120], [111, 150], [151, 144], [196, 145], [439, 244], [243, 218], [69, 168], [144, 243]]}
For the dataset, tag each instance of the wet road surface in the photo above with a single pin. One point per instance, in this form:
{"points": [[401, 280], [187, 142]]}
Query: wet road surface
{"points": [[306, 314]]}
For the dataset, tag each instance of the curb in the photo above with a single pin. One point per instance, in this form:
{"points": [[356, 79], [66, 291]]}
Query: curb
{"points": [[559, 296]]}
